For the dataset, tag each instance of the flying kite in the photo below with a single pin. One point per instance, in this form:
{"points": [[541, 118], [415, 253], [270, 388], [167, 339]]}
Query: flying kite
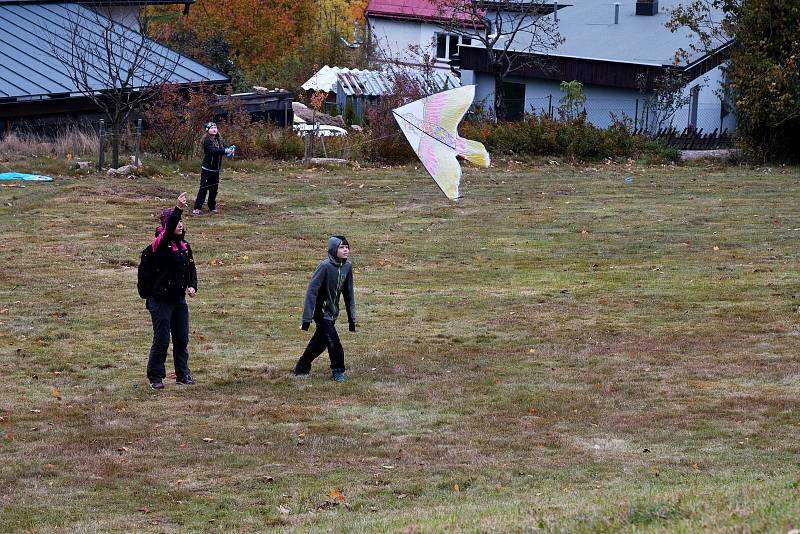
{"points": [[430, 125]]}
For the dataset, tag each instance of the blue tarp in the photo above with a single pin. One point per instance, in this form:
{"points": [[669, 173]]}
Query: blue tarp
{"points": [[26, 177]]}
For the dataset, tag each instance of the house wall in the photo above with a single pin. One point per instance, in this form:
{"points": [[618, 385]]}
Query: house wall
{"points": [[394, 37], [542, 96]]}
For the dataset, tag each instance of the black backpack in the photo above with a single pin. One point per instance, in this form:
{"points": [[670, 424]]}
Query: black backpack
{"points": [[148, 273]]}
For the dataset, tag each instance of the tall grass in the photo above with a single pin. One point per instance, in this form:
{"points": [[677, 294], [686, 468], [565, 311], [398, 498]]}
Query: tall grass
{"points": [[70, 141]]}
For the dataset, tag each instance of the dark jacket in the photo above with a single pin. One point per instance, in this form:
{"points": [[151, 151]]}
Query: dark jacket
{"points": [[173, 261], [213, 150], [331, 278]]}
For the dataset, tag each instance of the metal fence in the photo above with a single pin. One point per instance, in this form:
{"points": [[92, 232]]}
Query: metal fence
{"points": [[636, 112]]}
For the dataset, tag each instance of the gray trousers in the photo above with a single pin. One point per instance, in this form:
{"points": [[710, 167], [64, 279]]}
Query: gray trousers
{"points": [[169, 319]]}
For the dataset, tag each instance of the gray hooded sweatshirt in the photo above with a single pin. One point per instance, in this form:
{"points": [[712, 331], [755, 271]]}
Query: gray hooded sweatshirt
{"points": [[331, 278]]}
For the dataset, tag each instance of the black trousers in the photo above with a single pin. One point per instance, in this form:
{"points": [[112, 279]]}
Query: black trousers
{"points": [[169, 318], [209, 183], [325, 337]]}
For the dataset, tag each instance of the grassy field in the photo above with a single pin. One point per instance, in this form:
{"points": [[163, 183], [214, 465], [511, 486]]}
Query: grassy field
{"points": [[561, 350]]}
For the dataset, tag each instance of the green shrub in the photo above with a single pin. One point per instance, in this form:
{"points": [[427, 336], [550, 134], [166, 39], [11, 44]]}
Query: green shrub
{"points": [[577, 140]]}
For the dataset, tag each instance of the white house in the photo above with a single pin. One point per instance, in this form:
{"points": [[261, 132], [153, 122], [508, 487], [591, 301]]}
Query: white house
{"points": [[400, 29], [606, 47]]}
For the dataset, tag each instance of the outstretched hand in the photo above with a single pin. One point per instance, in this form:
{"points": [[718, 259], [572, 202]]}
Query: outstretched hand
{"points": [[181, 202]]}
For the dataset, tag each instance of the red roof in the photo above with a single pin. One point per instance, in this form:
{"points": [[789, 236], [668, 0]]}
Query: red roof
{"points": [[414, 10]]}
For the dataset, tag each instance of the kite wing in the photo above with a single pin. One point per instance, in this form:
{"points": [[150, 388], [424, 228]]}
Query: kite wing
{"points": [[431, 127]]}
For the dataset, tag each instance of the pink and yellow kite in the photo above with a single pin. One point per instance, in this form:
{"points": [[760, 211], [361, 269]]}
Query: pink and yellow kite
{"points": [[431, 126]]}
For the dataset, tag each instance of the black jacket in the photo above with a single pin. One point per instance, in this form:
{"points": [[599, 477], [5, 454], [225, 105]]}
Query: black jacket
{"points": [[173, 261], [331, 278], [213, 150]]}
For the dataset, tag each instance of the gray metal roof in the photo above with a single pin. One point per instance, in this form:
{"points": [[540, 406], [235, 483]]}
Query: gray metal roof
{"points": [[30, 68], [364, 83]]}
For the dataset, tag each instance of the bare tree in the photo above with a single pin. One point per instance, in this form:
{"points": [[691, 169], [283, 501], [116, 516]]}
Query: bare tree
{"points": [[514, 34], [663, 98], [113, 64]]}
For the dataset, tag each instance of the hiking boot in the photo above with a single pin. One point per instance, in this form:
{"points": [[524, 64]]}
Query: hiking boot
{"points": [[215, 211], [157, 385], [185, 381], [338, 375], [195, 212], [302, 375]]}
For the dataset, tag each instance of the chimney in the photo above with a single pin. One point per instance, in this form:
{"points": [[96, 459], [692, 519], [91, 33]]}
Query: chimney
{"points": [[616, 12], [555, 11], [647, 7]]}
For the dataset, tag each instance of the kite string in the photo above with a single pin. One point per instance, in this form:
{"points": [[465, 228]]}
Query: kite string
{"points": [[356, 145], [423, 131]]}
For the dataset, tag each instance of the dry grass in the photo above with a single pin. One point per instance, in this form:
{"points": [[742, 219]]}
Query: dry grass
{"points": [[559, 350], [75, 142]]}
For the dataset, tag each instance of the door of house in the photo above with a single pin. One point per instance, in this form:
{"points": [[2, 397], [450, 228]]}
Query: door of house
{"points": [[515, 100]]}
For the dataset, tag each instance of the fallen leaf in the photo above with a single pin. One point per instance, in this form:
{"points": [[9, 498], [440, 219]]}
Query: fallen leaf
{"points": [[144, 510], [388, 466], [336, 494], [55, 393], [284, 510], [716, 247], [122, 449], [208, 440], [456, 488]]}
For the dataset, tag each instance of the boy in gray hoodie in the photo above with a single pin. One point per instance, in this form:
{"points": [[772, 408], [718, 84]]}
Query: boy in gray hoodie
{"points": [[332, 277]]}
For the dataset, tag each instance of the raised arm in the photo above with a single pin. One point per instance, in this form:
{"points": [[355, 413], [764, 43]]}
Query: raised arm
{"points": [[172, 222]]}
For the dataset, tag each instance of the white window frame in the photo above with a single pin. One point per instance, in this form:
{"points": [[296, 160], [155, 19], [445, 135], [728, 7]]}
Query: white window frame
{"points": [[447, 52]]}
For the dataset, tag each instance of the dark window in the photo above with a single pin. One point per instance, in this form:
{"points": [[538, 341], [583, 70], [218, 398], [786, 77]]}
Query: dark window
{"points": [[453, 46], [441, 45], [515, 100], [466, 40]]}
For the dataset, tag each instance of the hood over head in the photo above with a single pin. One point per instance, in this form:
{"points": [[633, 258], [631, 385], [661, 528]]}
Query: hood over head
{"points": [[333, 245]]}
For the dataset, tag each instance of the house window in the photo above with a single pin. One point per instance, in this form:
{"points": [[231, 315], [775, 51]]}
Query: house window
{"points": [[447, 45]]}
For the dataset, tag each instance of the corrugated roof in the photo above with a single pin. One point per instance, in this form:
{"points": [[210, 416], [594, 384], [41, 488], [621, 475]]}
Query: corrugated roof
{"points": [[368, 82], [30, 68], [413, 9]]}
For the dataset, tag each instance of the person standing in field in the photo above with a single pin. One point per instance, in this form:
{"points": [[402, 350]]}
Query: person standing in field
{"points": [[174, 276], [332, 277], [213, 150]]}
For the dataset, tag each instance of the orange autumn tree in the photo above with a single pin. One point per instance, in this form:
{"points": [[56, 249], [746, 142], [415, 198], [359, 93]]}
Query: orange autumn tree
{"points": [[274, 43], [259, 31]]}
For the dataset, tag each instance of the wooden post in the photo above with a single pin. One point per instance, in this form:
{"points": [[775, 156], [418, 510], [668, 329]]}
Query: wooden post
{"points": [[636, 116], [136, 160], [101, 160]]}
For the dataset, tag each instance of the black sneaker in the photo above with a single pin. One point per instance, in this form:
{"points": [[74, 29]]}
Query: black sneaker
{"points": [[157, 385], [185, 381]]}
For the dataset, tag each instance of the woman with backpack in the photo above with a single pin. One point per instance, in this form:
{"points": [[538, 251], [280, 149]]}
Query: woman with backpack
{"points": [[169, 274], [213, 150]]}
